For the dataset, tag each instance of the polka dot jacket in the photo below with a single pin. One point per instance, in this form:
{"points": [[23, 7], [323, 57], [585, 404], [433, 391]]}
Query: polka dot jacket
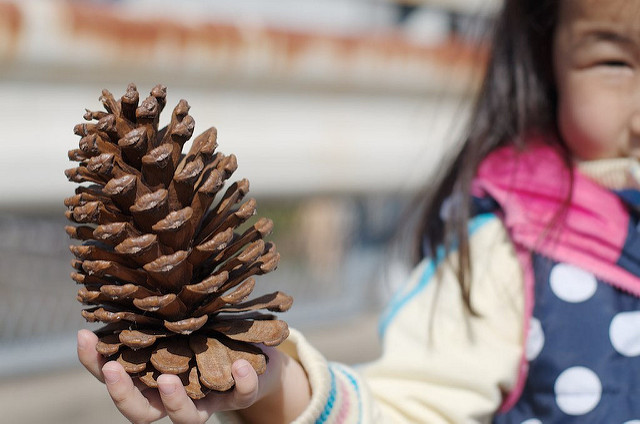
{"points": [[582, 285]]}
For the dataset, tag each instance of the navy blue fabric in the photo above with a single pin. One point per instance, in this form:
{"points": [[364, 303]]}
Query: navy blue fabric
{"points": [[480, 205], [630, 196], [577, 335]]}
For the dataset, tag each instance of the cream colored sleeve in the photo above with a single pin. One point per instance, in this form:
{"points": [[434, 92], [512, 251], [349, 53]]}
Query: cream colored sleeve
{"points": [[439, 363]]}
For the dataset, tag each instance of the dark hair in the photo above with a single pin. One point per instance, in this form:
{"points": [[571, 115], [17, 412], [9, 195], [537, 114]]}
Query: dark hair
{"points": [[517, 97]]}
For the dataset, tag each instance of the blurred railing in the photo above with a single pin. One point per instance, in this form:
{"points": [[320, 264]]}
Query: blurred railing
{"points": [[333, 251], [37, 312]]}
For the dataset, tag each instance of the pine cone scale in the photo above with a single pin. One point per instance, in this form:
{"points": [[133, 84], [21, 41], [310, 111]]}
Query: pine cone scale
{"points": [[139, 339], [186, 326], [108, 345], [213, 362], [172, 356], [135, 361]]}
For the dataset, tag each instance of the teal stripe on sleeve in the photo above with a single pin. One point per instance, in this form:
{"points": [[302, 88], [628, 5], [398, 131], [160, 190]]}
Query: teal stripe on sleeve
{"points": [[401, 298], [328, 407]]}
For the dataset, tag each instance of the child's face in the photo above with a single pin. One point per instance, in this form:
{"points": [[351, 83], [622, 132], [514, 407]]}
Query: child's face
{"points": [[597, 74]]}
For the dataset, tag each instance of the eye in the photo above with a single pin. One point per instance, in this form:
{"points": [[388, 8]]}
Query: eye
{"points": [[617, 68], [616, 63]]}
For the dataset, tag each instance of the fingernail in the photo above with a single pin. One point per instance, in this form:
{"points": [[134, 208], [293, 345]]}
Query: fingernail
{"points": [[243, 371], [167, 389], [111, 376]]}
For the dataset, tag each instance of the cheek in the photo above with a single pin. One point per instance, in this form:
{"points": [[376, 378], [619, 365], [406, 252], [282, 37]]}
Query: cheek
{"points": [[585, 124]]}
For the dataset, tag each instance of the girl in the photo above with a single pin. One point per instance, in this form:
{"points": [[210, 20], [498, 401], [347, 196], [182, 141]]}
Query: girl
{"points": [[526, 306]]}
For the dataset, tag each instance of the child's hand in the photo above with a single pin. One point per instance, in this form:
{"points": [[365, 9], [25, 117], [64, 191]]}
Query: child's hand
{"points": [[140, 404]]}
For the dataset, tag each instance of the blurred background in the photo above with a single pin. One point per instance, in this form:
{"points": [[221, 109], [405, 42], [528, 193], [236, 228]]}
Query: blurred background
{"points": [[339, 111]]}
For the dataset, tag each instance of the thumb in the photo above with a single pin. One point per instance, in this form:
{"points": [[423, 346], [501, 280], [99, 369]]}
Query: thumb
{"points": [[246, 389]]}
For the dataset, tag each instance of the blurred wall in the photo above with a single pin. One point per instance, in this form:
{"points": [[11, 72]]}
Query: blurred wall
{"points": [[306, 107]]}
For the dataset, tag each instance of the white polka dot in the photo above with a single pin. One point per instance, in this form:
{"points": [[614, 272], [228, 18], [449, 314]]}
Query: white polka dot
{"points": [[532, 421], [572, 284], [624, 333], [535, 340], [577, 391], [632, 422]]}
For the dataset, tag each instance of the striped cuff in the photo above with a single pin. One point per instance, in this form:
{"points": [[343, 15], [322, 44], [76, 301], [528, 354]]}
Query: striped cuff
{"points": [[344, 404]]}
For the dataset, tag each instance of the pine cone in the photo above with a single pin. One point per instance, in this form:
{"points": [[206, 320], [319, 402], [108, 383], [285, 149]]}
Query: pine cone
{"points": [[168, 273]]}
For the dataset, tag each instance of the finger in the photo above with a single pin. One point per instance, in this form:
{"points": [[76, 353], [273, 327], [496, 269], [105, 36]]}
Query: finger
{"points": [[128, 399], [88, 355], [246, 390], [180, 408]]}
